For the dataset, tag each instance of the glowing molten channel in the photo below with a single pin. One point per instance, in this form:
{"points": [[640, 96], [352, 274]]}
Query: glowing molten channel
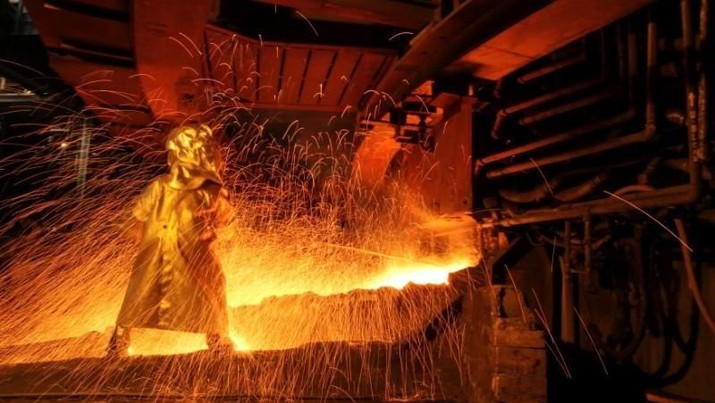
{"points": [[421, 273], [163, 342]]}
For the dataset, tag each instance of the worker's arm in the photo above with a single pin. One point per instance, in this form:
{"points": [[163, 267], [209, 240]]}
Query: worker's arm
{"points": [[132, 229], [224, 208], [141, 212]]}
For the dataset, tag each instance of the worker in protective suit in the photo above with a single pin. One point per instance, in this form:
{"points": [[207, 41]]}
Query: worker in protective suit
{"points": [[177, 282]]}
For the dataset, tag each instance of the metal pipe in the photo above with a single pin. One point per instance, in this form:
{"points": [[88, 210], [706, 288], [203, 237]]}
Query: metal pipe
{"points": [[567, 316], [504, 113], [646, 135], [583, 189], [695, 148], [556, 139], [632, 41], [675, 116], [653, 164], [587, 249], [635, 138], [537, 194], [703, 84], [546, 70], [679, 164], [683, 165], [692, 280], [571, 106], [621, 48], [541, 191], [633, 188], [573, 133], [604, 55], [499, 89], [675, 195], [691, 94], [651, 73]]}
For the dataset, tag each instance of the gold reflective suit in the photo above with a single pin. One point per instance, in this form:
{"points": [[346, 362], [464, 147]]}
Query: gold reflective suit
{"points": [[177, 282]]}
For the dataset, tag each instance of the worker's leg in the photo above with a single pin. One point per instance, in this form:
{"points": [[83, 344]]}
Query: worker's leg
{"points": [[218, 342], [119, 343]]}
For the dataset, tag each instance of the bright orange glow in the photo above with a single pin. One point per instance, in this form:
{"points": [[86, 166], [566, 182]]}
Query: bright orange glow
{"points": [[159, 342], [314, 261], [303, 263], [258, 270], [238, 341], [398, 276]]}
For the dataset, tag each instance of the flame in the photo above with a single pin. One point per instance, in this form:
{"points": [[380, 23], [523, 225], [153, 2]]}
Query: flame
{"points": [[420, 273], [239, 342], [164, 342]]}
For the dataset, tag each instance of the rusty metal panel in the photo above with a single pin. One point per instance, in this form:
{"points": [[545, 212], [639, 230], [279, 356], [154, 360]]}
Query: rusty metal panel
{"points": [[221, 50], [59, 26], [270, 59], [372, 160], [113, 5], [497, 373], [98, 83], [473, 22], [113, 94], [175, 53], [276, 74], [319, 65], [364, 78], [292, 75], [444, 177], [413, 14], [521, 361], [548, 29], [340, 75], [167, 42], [245, 67]]}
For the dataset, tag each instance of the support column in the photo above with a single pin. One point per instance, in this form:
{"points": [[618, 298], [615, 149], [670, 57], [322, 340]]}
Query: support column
{"points": [[504, 354]]}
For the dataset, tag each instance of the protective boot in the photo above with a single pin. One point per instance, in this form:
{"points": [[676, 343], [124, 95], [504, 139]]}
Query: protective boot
{"points": [[119, 343], [219, 344]]}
